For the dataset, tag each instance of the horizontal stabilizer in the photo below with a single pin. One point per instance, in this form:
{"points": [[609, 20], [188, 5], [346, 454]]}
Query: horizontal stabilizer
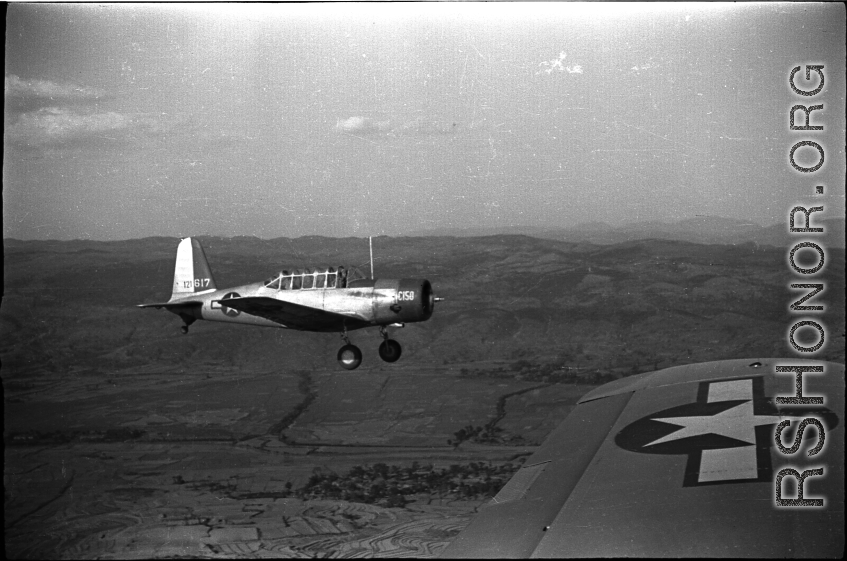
{"points": [[170, 305]]}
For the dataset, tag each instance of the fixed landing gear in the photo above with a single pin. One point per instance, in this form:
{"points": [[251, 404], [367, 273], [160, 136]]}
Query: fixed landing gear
{"points": [[188, 321], [389, 350], [350, 357]]}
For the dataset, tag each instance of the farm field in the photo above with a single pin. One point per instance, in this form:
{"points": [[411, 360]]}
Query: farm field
{"points": [[147, 500], [150, 466]]}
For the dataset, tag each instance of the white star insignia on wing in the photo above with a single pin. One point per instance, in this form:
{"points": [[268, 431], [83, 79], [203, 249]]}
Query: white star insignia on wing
{"points": [[736, 422]]}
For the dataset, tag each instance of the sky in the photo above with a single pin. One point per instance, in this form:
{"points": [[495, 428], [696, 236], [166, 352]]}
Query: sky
{"points": [[271, 120]]}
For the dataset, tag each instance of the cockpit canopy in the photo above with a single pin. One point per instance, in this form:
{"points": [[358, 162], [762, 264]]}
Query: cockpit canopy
{"points": [[312, 278]]}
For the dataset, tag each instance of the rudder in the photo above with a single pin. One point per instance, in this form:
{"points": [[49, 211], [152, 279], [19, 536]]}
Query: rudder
{"points": [[192, 274]]}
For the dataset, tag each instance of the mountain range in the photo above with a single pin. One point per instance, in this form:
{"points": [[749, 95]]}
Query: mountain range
{"points": [[700, 229]]}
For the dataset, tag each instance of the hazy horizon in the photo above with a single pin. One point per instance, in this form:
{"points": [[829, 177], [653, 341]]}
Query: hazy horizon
{"points": [[125, 122]]}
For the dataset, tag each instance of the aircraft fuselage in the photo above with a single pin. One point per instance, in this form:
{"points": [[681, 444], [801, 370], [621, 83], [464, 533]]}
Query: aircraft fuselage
{"points": [[384, 302]]}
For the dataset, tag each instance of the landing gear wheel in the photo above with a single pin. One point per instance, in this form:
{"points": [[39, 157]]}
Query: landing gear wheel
{"points": [[390, 350], [186, 321], [350, 357]]}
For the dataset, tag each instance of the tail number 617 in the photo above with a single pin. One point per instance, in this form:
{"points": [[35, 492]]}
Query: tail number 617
{"points": [[198, 283]]}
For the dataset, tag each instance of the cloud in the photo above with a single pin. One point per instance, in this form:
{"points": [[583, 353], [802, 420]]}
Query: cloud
{"points": [[53, 127], [362, 125], [554, 65], [417, 126], [27, 95], [644, 66], [47, 114]]}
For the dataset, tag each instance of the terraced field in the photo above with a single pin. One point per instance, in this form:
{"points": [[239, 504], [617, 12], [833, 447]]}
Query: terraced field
{"points": [[155, 501]]}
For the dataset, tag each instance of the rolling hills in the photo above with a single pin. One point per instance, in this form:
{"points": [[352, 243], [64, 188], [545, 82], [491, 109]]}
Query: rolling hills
{"points": [[613, 308]]}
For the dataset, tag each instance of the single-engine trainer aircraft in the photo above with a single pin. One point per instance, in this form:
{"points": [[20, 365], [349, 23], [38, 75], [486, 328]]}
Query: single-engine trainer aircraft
{"points": [[328, 299]]}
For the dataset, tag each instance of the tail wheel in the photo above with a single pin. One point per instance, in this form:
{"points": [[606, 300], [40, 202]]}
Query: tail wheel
{"points": [[349, 357], [390, 350]]}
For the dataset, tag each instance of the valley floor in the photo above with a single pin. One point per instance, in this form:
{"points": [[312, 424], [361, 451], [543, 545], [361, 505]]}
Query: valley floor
{"points": [[210, 499]]}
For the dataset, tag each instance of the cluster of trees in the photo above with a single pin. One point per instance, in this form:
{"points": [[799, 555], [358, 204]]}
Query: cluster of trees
{"points": [[488, 434], [393, 486]]}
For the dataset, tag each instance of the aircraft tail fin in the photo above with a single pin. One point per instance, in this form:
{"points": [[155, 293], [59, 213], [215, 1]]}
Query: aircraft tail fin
{"points": [[192, 274]]}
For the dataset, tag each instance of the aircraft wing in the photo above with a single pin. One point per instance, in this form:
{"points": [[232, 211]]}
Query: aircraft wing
{"points": [[680, 462], [294, 316]]}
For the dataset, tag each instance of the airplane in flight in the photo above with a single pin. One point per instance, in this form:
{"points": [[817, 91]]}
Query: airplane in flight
{"points": [[689, 461], [327, 299]]}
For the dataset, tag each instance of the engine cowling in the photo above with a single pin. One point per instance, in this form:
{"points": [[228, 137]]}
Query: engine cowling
{"points": [[403, 300]]}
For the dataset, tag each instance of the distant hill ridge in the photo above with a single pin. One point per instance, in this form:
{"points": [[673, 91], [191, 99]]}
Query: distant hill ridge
{"points": [[700, 229]]}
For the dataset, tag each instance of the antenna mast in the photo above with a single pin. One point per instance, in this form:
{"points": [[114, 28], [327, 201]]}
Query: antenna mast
{"points": [[371, 244]]}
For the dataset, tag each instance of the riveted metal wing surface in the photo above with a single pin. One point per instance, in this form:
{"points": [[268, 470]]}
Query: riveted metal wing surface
{"points": [[680, 462]]}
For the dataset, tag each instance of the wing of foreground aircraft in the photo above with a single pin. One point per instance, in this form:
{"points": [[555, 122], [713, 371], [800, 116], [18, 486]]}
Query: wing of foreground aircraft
{"points": [[680, 462]]}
